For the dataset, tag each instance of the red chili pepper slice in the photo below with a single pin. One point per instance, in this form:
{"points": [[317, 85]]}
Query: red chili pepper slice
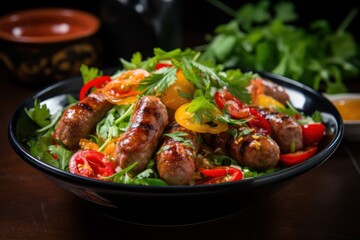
{"points": [[98, 82], [90, 163], [161, 65], [313, 133], [291, 159], [235, 108], [259, 122], [220, 174]]}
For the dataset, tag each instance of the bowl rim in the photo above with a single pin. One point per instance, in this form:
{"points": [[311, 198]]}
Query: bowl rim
{"points": [[90, 23], [260, 181]]}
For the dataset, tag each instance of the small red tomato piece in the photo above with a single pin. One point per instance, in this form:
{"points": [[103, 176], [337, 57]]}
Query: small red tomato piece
{"points": [[313, 133]]}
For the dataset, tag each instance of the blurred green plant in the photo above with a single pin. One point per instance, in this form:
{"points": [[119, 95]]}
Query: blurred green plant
{"points": [[263, 36]]}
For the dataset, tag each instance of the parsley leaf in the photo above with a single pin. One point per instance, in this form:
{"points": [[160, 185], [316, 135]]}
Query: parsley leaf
{"points": [[158, 82], [40, 114], [202, 110], [179, 137], [89, 73]]}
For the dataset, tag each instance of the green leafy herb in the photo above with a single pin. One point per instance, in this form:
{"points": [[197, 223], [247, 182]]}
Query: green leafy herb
{"points": [[146, 177], [158, 82], [39, 148], [89, 73], [260, 36], [202, 110], [116, 121], [40, 114], [179, 137], [62, 154]]}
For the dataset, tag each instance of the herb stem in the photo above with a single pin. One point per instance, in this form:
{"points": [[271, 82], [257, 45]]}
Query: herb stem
{"points": [[55, 119], [126, 114], [352, 14], [223, 7]]}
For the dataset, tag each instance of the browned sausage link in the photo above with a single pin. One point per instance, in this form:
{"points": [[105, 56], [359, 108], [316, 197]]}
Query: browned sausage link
{"points": [[248, 148], [285, 130], [79, 121], [139, 141], [276, 91], [176, 159]]}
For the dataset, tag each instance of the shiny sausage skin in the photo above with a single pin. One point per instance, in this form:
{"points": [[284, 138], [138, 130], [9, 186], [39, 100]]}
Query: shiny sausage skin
{"points": [[176, 160], [276, 91], [247, 147], [80, 120], [285, 130], [139, 141]]}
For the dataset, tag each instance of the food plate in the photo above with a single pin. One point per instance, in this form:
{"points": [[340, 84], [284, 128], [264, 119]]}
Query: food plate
{"points": [[175, 205]]}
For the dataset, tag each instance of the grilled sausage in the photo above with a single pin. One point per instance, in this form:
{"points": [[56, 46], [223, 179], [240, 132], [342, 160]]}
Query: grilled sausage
{"points": [[276, 91], [247, 147], [285, 130], [139, 141], [176, 159], [79, 121]]}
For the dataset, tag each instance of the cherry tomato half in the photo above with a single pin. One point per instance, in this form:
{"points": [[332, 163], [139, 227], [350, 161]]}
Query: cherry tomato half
{"points": [[313, 133], [291, 159], [225, 100], [90, 163]]}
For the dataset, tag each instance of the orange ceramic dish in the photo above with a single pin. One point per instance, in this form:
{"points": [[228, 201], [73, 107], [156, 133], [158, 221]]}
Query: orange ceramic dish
{"points": [[47, 25]]}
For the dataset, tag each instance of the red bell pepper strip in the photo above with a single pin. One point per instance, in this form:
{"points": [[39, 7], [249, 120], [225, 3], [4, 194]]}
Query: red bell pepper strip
{"points": [[291, 159], [98, 82], [220, 174], [91, 163], [313, 133]]}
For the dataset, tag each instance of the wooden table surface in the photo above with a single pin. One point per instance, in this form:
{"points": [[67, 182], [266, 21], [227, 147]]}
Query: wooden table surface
{"points": [[323, 203]]}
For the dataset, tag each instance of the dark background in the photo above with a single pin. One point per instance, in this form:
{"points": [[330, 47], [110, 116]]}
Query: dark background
{"points": [[124, 32]]}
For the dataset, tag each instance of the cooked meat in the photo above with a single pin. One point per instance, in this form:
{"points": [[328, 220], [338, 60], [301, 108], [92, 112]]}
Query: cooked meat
{"points": [[140, 140], [247, 147], [286, 131], [79, 121], [276, 91], [176, 159]]}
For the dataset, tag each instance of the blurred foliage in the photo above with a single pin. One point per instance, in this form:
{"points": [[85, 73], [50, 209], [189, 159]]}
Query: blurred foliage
{"points": [[263, 36]]}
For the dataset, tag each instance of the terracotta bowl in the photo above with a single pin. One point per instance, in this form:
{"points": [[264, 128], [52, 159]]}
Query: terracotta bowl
{"points": [[44, 45]]}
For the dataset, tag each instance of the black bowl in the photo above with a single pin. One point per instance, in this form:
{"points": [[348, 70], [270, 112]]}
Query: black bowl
{"points": [[175, 205]]}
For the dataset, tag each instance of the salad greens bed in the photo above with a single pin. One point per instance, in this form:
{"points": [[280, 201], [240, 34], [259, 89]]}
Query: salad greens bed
{"points": [[264, 36]]}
